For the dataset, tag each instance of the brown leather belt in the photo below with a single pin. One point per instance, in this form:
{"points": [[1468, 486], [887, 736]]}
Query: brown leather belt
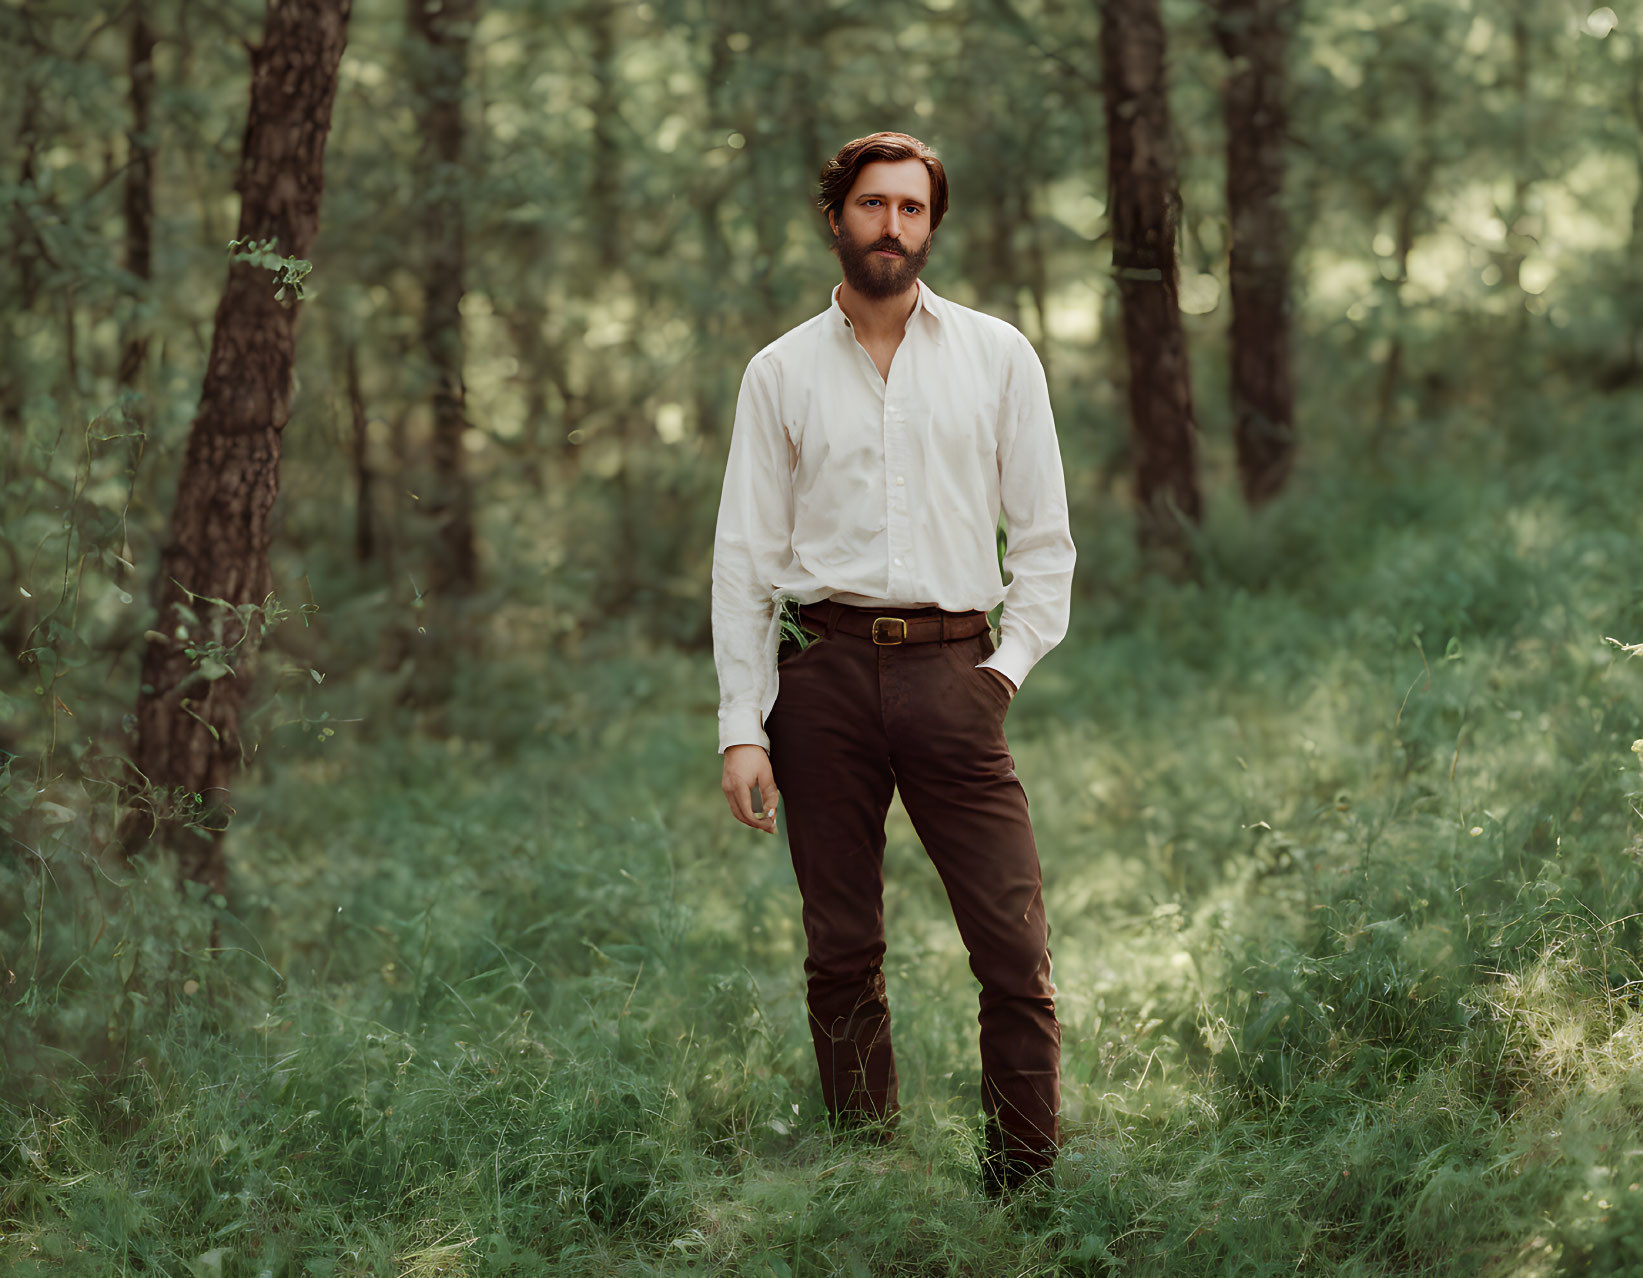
{"points": [[888, 630]]}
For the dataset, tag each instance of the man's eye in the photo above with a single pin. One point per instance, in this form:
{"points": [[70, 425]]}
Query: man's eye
{"points": [[911, 208]]}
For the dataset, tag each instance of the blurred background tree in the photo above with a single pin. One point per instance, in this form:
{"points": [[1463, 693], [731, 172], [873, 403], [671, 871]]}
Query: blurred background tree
{"points": [[1144, 205], [1254, 34]]}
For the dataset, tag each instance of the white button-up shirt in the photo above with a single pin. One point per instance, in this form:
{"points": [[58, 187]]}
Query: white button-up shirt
{"points": [[877, 491]]}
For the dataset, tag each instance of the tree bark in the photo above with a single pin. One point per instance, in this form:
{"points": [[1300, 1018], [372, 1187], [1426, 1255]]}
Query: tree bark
{"points": [[443, 30], [18, 320], [1144, 210], [188, 709], [1632, 360], [605, 189], [1254, 35], [1407, 200], [364, 524], [1519, 221], [27, 243], [138, 202]]}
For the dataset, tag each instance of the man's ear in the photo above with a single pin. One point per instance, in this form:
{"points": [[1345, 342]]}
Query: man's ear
{"points": [[833, 222]]}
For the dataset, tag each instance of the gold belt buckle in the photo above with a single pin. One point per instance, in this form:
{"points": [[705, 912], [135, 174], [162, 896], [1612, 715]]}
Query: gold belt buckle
{"points": [[879, 622]]}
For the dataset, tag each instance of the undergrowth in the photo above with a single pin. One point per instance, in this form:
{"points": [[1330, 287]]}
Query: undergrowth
{"points": [[1341, 847]]}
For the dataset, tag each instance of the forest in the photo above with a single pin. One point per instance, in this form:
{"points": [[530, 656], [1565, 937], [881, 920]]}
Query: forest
{"points": [[368, 901]]}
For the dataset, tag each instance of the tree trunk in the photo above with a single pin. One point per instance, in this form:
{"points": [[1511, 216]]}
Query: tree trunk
{"points": [[1521, 233], [1632, 360], [1408, 201], [195, 667], [139, 189], [19, 322], [1038, 281], [28, 141], [605, 189], [719, 321], [525, 323], [1144, 210], [443, 30], [364, 524], [1254, 35]]}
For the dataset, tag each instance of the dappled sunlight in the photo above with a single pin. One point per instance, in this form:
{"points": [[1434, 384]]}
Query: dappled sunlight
{"points": [[1590, 209], [1338, 280]]}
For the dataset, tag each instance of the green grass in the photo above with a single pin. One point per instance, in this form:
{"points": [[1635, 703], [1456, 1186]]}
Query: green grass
{"points": [[1341, 855]]}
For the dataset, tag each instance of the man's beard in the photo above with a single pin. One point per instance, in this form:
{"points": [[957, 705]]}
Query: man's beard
{"points": [[880, 277]]}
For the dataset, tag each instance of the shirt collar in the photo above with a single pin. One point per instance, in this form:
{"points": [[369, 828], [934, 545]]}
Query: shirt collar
{"points": [[929, 305]]}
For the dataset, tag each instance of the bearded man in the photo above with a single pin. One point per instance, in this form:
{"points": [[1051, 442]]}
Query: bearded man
{"points": [[874, 449]]}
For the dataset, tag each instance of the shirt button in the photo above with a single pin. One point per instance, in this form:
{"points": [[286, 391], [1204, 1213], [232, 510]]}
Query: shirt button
{"points": [[897, 562], [900, 481]]}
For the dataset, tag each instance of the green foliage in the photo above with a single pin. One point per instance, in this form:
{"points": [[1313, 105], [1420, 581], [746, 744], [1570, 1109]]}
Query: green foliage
{"points": [[518, 999], [289, 272], [204, 644], [792, 631], [74, 511]]}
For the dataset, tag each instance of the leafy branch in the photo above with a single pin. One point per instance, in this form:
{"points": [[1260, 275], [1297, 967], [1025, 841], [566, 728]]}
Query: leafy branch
{"points": [[289, 272], [208, 652]]}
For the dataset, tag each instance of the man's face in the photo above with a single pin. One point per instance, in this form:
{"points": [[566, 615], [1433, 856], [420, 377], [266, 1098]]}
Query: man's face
{"points": [[884, 227]]}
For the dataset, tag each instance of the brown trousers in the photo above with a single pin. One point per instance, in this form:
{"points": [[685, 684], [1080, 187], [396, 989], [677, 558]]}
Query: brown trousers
{"points": [[853, 721]]}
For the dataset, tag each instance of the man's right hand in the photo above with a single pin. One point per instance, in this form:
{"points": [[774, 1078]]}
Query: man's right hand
{"points": [[747, 766]]}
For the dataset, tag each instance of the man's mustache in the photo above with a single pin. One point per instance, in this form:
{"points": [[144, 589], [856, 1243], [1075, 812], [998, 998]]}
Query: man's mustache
{"points": [[886, 246]]}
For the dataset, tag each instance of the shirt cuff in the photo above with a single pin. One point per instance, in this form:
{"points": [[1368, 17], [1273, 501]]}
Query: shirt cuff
{"points": [[740, 725], [1012, 660]]}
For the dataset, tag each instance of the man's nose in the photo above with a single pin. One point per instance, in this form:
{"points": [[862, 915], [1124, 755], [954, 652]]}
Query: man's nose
{"points": [[892, 223]]}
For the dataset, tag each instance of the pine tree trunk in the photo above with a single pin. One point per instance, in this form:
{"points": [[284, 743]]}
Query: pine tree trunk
{"points": [[28, 142], [138, 202], [605, 188], [1408, 200], [364, 523], [1522, 233], [1632, 360], [18, 321], [443, 30], [188, 709], [1254, 36], [712, 403], [1144, 209]]}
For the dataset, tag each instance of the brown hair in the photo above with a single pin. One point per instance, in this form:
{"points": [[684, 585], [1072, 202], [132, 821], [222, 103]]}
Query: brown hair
{"points": [[838, 175]]}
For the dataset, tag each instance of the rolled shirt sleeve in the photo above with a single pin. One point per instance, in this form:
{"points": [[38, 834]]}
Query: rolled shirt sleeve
{"points": [[752, 545], [1039, 550]]}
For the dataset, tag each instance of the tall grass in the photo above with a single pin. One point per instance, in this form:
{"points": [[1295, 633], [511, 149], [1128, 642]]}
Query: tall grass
{"points": [[1341, 851]]}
